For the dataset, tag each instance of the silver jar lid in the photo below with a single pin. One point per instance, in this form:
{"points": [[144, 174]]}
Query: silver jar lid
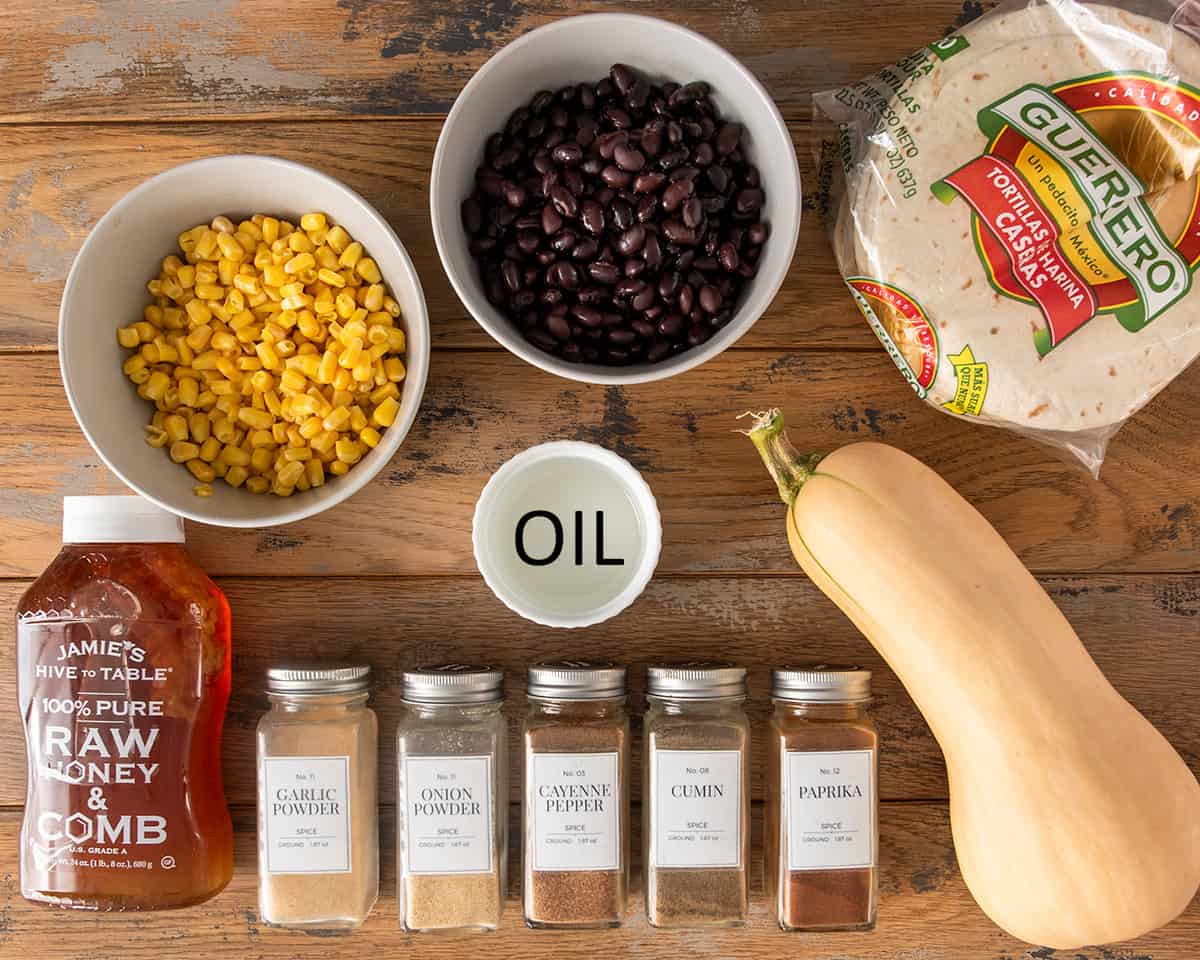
{"points": [[452, 683], [317, 678], [576, 680], [696, 680], [821, 683]]}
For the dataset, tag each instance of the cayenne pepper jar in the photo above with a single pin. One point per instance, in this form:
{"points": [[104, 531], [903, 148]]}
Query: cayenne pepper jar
{"points": [[576, 811], [821, 833], [123, 656]]}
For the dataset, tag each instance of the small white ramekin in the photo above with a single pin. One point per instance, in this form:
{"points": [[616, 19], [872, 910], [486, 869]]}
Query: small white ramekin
{"points": [[635, 486]]}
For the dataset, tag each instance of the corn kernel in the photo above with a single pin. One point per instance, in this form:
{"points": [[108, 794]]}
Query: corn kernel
{"points": [[339, 468], [351, 255], [259, 419], [183, 450], [230, 247], [209, 449], [156, 386], [202, 471], [382, 393], [258, 485], [236, 475], [202, 490], [128, 337], [199, 426], [385, 414], [175, 427]]}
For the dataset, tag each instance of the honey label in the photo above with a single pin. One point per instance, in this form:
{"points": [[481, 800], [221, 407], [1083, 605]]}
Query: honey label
{"points": [[447, 804], [829, 809], [104, 722], [304, 812], [698, 808], [575, 807]]}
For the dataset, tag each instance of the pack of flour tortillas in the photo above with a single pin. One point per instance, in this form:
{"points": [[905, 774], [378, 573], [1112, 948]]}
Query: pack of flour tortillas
{"points": [[1014, 209]]}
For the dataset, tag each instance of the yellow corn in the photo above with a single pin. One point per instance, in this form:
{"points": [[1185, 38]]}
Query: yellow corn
{"points": [[339, 468], [370, 436], [384, 415], [201, 471], [199, 427], [258, 485], [258, 419], [183, 450], [156, 386], [236, 475], [260, 459], [128, 337], [209, 449]]}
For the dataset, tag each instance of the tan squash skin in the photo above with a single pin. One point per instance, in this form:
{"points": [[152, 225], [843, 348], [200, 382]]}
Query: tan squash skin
{"points": [[1074, 821]]}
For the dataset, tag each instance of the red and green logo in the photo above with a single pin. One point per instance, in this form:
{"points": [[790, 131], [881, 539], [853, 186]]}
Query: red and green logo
{"points": [[902, 328], [1085, 201]]}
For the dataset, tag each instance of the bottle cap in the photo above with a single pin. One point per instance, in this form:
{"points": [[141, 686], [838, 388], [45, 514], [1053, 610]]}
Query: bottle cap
{"points": [[576, 680], [821, 683], [118, 520], [453, 683], [696, 680], [317, 678]]}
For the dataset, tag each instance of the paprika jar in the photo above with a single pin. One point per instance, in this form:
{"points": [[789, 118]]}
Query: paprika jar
{"points": [[123, 651], [822, 822]]}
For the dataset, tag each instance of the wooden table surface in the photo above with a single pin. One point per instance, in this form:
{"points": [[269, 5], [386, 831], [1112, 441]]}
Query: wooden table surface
{"points": [[97, 96]]}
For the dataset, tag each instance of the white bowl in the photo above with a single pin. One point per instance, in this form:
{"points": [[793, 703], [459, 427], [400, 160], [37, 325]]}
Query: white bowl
{"points": [[106, 289], [583, 48], [560, 477]]}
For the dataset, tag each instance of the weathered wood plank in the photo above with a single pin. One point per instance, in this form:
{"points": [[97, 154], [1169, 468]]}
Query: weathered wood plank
{"points": [[719, 509], [56, 182], [925, 913], [224, 58], [1143, 631]]}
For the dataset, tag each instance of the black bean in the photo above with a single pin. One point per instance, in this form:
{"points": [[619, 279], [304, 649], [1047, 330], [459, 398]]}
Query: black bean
{"points": [[506, 158], [528, 241], [622, 76], [702, 156], [621, 336], [523, 299], [628, 158], [642, 327], [643, 298], [678, 233], [658, 351], [592, 216], [551, 221], [652, 138], [553, 138], [697, 334], [648, 182], [718, 176], [540, 102], [636, 266], [652, 252], [622, 214], [710, 298], [618, 117], [685, 172], [668, 285], [673, 158], [472, 214], [615, 177], [514, 196], [688, 93], [559, 116], [727, 256], [748, 200], [563, 274], [592, 294], [671, 325], [558, 326], [631, 241], [572, 352], [536, 127], [588, 316], [568, 152], [512, 275], [563, 200], [603, 272], [756, 234], [563, 241], [647, 208], [686, 298], [676, 193], [692, 213], [541, 338], [728, 137], [585, 249]]}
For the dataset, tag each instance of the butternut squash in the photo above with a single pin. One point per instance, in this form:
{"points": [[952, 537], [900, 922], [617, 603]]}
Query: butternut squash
{"points": [[1074, 821]]}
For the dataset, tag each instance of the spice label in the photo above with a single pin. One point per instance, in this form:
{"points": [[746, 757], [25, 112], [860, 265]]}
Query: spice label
{"points": [[306, 814], [447, 814], [575, 802], [829, 808], [698, 808]]}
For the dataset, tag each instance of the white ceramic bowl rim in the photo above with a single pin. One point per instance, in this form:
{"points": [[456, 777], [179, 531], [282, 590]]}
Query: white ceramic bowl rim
{"points": [[634, 482], [759, 295], [417, 367]]}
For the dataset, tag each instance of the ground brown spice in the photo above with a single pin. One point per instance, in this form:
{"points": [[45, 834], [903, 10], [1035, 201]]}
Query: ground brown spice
{"points": [[442, 901], [578, 898], [816, 899]]}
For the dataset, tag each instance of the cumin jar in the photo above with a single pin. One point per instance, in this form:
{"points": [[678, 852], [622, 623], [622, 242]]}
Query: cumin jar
{"points": [[822, 823], [452, 834], [696, 838], [576, 809]]}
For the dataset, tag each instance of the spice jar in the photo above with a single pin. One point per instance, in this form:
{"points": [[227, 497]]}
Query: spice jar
{"points": [[822, 830], [576, 810], [122, 677], [697, 804], [452, 835], [318, 832]]}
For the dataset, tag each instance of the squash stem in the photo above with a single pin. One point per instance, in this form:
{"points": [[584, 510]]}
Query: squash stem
{"points": [[789, 468]]}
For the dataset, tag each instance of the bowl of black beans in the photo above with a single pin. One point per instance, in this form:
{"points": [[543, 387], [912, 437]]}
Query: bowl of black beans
{"points": [[615, 198]]}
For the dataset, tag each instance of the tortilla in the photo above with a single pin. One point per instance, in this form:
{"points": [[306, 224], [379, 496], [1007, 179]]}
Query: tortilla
{"points": [[990, 260]]}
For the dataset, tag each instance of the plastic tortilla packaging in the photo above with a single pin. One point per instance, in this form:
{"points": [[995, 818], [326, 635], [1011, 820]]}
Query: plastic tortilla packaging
{"points": [[1014, 209]]}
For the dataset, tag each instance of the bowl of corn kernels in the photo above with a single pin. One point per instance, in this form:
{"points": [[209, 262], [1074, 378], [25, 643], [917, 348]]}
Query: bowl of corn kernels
{"points": [[244, 340]]}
